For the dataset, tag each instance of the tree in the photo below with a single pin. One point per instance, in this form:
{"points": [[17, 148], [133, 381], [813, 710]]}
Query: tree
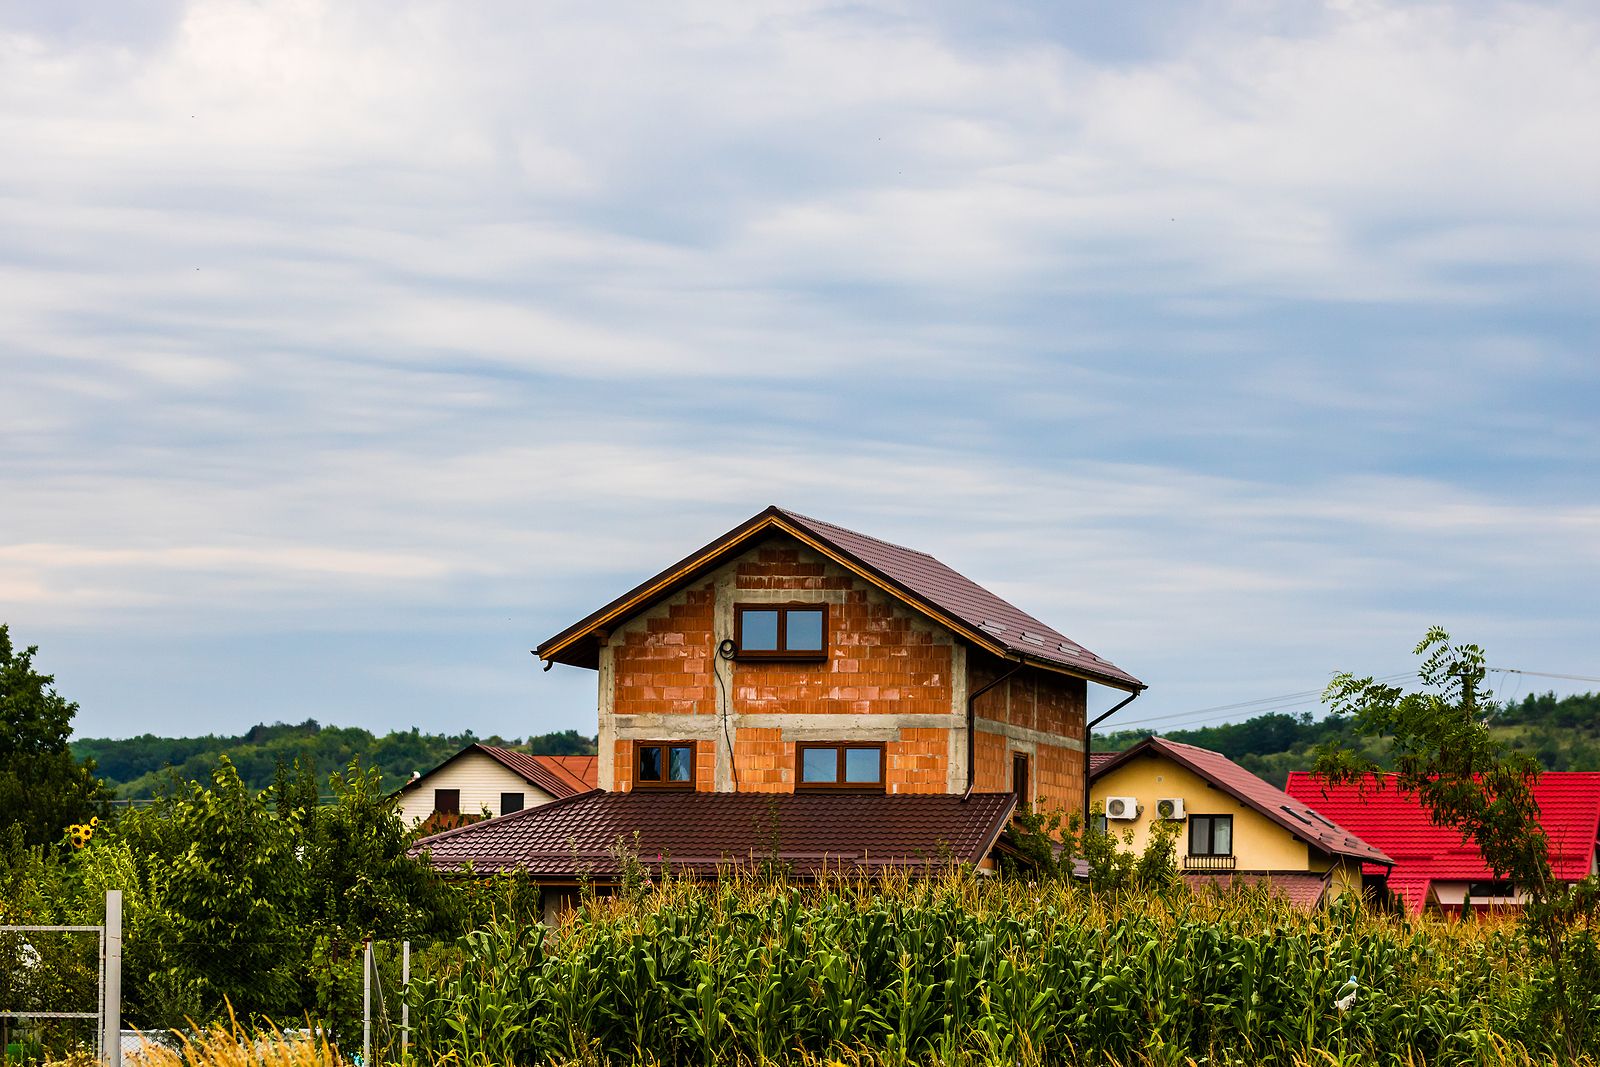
{"points": [[43, 788], [1444, 753]]}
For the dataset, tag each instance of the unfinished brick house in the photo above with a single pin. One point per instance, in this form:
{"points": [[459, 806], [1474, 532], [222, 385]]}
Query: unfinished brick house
{"points": [[792, 655]]}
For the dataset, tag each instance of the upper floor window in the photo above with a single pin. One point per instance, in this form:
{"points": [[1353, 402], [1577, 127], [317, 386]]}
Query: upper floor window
{"points": [[1211, 835], [510, 802], [447, 801], [830, 765], [781, 631], [663, 764]]}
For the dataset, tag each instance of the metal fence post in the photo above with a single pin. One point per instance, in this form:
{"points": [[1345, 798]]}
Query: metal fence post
{"points": [[405, 1000], [111, 978], [366, 1004]]}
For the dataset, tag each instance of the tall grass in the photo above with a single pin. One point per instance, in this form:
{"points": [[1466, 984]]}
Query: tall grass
{"points": [[968, 971]]}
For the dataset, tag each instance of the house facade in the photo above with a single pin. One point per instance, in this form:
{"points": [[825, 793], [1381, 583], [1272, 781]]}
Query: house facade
{"points": [[1231, 826], [792, 655], [488, 780]]}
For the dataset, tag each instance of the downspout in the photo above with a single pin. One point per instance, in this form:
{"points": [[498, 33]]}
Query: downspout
{"points": [[972, 725], [1088, 746]]}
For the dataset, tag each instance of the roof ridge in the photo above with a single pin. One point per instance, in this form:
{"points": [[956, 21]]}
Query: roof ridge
{"points": [[865, 537]]}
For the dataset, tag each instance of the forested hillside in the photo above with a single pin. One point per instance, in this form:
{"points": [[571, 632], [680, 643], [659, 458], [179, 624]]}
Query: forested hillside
{"points": [[1562, 733], [136, 766]]}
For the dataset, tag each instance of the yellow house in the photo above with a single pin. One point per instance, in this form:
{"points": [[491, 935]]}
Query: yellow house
{"points": [[1232, 825]]}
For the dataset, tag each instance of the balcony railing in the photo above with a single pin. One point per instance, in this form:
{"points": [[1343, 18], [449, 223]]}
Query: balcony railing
{"points": [[1208, 863]]}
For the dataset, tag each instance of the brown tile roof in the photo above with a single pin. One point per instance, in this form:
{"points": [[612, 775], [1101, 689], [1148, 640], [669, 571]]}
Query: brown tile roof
{"points": [[559, 779], [699, 833], [1302, 890], [1100, 759], [918, 579], [1291, 814]]}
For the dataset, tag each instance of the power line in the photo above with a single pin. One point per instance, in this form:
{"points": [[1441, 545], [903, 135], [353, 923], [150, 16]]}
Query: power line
{"points": [[1544, 674], [1281, 702]]}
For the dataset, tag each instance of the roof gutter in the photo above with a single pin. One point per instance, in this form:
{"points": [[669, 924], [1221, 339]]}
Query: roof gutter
{"points": [[1088, 745], [972, 724]]}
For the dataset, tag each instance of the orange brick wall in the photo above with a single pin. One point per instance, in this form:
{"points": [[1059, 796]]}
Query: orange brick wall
{"points": [[664, 667], [1033, 702], [878, 661]]}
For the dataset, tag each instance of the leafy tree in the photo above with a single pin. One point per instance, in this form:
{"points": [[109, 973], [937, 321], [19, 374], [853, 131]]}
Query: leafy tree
{"points": [[43, 788], [1444, 753]]}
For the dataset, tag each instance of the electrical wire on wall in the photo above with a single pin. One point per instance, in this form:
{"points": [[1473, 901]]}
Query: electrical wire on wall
{"points": [[726, 650]]}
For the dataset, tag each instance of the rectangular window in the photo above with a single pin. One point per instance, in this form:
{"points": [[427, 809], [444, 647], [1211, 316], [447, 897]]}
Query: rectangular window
{"points": [[510, 802], [1019, 779], [663, 764], [781, 631], [447, 801], [1211, 835], [828, 765]]}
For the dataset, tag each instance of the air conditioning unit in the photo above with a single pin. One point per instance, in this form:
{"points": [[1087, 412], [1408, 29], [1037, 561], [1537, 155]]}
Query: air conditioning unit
{"points": [[1170, 808], [1122, 807]]}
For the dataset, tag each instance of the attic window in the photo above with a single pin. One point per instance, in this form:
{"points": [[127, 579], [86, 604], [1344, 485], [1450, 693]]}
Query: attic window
{"points": [[781, 631]]}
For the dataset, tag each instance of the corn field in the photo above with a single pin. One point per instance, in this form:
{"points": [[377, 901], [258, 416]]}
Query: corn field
{"points": [[966, 971]]}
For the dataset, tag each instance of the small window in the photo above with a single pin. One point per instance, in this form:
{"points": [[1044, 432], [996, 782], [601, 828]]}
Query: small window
{"points": [[781, 631], [1099, 824], [447, 801], [1484, 890], [1019, 779], [839, 766], [1211, 835], [510, 802], [663, 764]]}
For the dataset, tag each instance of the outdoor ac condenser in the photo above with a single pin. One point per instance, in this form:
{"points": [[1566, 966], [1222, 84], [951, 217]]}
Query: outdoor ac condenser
{"points": [[1170, 808], [1122, 807]]}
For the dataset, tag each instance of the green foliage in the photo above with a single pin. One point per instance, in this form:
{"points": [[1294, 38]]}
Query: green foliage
{"points": [[140, 767], [43, 787], [972, 970], [258, 899], [1050, 845], [1445, 753]]}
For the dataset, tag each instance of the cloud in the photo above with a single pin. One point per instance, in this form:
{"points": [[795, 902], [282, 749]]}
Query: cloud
{"points": [[1237, 343]]}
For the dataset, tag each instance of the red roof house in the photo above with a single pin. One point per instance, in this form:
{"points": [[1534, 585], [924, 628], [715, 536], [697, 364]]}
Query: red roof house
{"points": [[1433, 864]]}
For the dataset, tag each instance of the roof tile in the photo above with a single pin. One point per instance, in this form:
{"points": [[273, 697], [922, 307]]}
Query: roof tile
{"points": [[702, 832]]}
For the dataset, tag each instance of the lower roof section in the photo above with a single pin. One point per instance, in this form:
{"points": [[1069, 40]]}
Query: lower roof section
{"points": [[591, 835]]}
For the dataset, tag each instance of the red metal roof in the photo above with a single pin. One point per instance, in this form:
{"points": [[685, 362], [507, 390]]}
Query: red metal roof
{"points": [[560, 776], [699, 833], [1300, 819], [1100, 759], [921, 581], [1569, 811]]}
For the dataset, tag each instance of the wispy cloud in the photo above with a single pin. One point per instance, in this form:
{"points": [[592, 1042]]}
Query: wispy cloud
{"points": [[366, 337]]}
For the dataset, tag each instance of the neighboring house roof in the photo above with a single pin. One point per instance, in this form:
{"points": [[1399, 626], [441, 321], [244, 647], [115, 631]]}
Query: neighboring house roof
{"points": [[1569, 812], [915, 578], [557, 775], [701, 833], [1319, 831], [1301, 890], [1100, 759]]}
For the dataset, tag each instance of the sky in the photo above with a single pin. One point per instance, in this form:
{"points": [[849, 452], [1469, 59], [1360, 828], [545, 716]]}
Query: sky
{"points": [[348, 350]]}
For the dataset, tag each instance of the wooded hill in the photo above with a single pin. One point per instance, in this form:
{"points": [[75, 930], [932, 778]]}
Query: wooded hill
{"points": [[1563, 734], [136, 766]]}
